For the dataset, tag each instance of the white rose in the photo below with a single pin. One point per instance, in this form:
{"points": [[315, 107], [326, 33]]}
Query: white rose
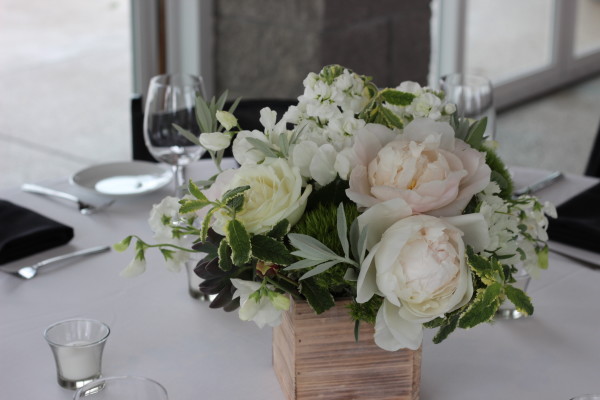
{"points": [[243, 151], [417, 263], [264, 312], [275, 194]]}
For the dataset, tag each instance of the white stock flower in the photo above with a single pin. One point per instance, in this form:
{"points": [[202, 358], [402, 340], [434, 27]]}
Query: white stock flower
{"points": [[275, 194], [410, 87], [263, 312], [426, 105], [322, 165], [160, 217], [215, 141], [243, 151], [417, 263], [226, 119]]}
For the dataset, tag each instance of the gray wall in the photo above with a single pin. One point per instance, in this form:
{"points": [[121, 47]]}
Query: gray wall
{"points": [[265, 48]]}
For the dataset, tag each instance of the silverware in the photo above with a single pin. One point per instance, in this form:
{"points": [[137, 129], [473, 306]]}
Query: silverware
{"points": [[30, 271], [539, 185], [580, 260], [84, 207]]}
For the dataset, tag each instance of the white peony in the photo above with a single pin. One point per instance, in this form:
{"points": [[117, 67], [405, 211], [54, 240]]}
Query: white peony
{"points": [[417, 263]]}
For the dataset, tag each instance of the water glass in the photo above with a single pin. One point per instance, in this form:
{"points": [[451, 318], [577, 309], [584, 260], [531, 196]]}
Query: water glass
{"points": [[77, 346], [473, 96], [507, 309], [122, 388]]}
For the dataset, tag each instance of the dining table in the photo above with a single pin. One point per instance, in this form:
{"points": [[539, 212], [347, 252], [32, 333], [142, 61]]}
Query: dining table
{"points": [[160, 332]]}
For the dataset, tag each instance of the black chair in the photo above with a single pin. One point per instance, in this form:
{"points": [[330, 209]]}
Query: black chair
{"points": [[247, 113], [593, 165]]}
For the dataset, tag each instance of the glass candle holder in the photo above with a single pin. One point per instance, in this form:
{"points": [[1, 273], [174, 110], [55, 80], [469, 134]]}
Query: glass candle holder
{"points": [[121, 388], [77, 346], [507, 309]]}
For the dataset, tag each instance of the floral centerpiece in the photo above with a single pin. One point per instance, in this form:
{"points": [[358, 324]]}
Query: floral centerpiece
{"points": [[384, 196]]}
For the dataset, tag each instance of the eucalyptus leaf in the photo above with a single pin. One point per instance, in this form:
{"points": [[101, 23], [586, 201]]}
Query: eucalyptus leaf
{"points": [[262, 147], [188, 135], [311, 246], [351, 275], [302, 264], [342, 229], [319, 269]]}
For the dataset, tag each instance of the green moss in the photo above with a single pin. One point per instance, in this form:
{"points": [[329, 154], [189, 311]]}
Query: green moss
{"points": [[366, 312]]}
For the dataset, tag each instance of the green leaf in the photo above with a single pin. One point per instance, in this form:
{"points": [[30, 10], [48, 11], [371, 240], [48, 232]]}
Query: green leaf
{"points": [[196, 192], [318, 297], [483, 308], [208, 248], [475, 134], [302, 264], [543, 257], [234, 192], [187, 134], [390, 118], [280, 229], [206, 223], [239, 240], [520, 299], [446, 328], [225, 256], [396, 97], [311, 247], [342, 229], [221, 101], [262, 147], [234, 105], [319, 269], [489, 270], [203, 115], [236, 203], [268, 249], [191, 205]]}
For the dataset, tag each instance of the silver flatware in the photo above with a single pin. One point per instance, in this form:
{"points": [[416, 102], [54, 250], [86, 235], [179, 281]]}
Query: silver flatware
{"points": [[84, 207], [30, 271], [539, 185]]}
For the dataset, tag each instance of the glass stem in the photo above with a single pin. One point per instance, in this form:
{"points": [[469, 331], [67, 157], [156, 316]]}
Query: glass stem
{"points": [[178, 179]]}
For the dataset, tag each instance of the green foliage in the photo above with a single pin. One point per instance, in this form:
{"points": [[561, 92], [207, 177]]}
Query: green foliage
{"points": [[268, 249], [396, 97], [239, 241], [500, 173], [317, 295], [519, 298], [366, 312], [483, 307]]}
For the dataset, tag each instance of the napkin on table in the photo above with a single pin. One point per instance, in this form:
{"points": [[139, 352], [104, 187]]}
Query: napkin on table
{"points": [[24, 232], [578, 222]]}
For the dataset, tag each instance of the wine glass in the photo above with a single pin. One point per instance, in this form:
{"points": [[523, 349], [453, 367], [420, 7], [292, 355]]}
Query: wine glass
{"points": [[172, 101], [473, 96]]}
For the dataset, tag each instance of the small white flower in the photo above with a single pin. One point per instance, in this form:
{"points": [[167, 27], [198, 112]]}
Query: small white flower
{"points": [[161, 215], [262, 312], [136, 267], [226, 119], [244, 152], [410, 87], [215, 141]]}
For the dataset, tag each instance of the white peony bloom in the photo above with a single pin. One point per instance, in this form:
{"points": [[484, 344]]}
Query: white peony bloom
{"points": [[275, 194], [243, 151], [215, 141], [262, 312], [417, 263]]}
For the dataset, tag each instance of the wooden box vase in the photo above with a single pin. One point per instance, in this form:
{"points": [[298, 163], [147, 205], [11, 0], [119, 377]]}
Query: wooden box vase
{"points": [[317, 357]]}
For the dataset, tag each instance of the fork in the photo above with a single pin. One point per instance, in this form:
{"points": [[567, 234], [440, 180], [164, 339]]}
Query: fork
{"points": [[84, 207]]}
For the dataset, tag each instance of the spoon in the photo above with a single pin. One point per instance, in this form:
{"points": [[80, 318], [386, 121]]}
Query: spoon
{"points": [[84, 208], [30, 271]]}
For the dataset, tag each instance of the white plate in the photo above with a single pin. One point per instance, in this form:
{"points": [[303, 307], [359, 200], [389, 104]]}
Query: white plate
{"points": [[123, 178]]}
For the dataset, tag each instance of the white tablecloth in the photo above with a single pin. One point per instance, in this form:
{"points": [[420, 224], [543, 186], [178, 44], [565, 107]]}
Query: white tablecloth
{"points": [[160, 332]]}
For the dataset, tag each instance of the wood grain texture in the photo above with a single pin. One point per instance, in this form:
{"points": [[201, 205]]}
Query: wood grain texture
{"points": [[316, 357]]}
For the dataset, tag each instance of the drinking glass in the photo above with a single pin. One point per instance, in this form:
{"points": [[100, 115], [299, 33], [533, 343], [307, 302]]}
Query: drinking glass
{"points": [[473, 96], [122, 388], [77, 346], [172, 101]]}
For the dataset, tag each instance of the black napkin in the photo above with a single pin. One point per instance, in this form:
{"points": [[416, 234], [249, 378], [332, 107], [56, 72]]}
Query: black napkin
{"points": [[578, 222], [24, 232]]}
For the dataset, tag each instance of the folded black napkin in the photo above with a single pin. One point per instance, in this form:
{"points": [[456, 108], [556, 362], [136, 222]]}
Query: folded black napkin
{"points": [[578, 222], [24, 232]]}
